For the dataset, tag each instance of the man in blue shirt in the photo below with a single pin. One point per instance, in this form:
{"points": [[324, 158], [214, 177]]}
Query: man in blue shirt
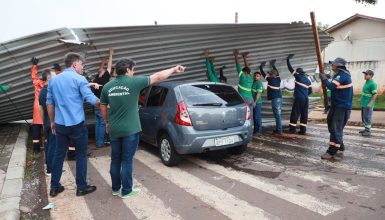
{"points": [[50, 145], [274, 94], [341, 88], [65, 96], [302, 90]]}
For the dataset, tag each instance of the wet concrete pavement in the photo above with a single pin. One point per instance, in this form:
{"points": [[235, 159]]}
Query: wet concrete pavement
{"points": [[276, 178], [12, 163]]}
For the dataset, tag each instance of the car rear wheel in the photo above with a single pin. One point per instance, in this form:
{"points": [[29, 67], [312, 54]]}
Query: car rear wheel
{"points": [[168, 153], [237, 150]]}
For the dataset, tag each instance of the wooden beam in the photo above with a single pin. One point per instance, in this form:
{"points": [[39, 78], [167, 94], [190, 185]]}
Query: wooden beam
{"points": [[319, 57]]}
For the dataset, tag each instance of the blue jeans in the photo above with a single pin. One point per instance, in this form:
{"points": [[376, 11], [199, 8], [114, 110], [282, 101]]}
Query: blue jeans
{"points": [[276, 107], [257, 116], [50, 147], [36, 136], [100, 128], [366, 116], [78, 134], [122, 154]]}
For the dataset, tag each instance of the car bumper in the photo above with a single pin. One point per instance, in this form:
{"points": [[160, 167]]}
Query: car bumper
{"points": [[189, 141]]}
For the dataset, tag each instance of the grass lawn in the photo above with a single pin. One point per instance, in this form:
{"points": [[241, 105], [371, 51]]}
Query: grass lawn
{"points": [[380, 100]]}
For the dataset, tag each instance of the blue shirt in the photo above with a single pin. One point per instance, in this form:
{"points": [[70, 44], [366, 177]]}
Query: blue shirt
{"points": [[273, 85], [42, 103], [302, 88], [67, 92], [341, 88]]}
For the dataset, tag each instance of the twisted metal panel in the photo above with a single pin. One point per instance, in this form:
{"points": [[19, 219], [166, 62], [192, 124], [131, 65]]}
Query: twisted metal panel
{"points": [[153, 48]]}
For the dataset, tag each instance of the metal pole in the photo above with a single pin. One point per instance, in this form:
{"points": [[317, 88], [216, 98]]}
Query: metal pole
{"points": [[236, 17], [319, 57]]}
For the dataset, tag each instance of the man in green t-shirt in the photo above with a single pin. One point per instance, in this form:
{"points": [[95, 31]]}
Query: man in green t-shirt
{"points": [[368, 98], [122, 120], [245, 78], [256, 91]]}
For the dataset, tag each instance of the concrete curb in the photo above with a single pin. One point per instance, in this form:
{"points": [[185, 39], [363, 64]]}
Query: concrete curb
{"points": [[11, 192], [350, 123]]}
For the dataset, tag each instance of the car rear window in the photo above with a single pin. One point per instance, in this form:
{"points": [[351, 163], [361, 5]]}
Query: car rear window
{"points": [[210, 95]]}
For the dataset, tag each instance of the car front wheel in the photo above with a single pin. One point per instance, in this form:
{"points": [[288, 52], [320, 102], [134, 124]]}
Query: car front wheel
{"points": [[168, 153], [237, 150]]}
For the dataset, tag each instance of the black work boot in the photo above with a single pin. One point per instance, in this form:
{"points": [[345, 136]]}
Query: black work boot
{"points": [[302, 130], [292, 130]]}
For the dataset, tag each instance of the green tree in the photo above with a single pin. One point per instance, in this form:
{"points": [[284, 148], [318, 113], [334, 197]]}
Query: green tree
{"points": [[322, 26], [370, 2]]}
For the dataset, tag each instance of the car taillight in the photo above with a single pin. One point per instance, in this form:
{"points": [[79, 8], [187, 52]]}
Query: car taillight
{"points": [[182, 117], [248, 116], [248, 113]]}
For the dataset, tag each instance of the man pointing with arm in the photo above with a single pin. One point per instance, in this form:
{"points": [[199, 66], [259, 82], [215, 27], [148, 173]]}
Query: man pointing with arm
{"points": [[122, 120]]}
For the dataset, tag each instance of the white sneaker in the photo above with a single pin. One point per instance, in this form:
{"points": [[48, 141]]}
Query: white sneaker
{"points": [[134, 192]]}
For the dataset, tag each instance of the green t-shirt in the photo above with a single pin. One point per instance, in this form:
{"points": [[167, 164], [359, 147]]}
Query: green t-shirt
{"points": [[257, 88], [122, 95], [4, 88], [245, 83], [369, 89]]}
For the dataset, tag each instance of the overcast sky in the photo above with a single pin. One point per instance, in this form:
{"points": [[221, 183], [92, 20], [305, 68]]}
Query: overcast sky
{"points": [[20, 18]]}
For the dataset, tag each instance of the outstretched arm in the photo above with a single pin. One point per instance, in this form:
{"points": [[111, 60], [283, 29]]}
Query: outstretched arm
{"points": [[210, 67], [261, 69], [221, 72], [244, 55], [164, 74], [237, 66], [272, 64], [289, 64], [211, 70], [35, 78], [109, 64]]}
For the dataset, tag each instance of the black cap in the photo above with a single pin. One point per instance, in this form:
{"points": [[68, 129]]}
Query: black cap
{"points": [[369, 72], [56, 66], [299, 70]]}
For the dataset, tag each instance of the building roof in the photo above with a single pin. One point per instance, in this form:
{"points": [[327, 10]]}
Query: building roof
{"points": [[352, 19], [153, 48]]}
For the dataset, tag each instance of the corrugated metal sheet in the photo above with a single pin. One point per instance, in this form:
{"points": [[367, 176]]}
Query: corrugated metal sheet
{"points": [[154, 48]]}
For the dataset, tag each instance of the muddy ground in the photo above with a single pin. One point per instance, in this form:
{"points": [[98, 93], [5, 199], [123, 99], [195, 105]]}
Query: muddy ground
{"points": [[34, 193]]}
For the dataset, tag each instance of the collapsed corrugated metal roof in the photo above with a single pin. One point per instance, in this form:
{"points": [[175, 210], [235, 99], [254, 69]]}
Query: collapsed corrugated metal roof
{"points": [[154, 48]]}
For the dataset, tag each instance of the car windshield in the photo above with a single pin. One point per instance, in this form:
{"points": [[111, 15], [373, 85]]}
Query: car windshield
{"points": [[210, 95]]}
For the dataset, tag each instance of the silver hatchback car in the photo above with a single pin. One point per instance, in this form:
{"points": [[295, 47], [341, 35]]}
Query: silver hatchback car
{"points": [[185, 118]]}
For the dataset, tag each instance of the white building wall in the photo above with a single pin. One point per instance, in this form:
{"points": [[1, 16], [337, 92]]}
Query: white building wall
{"points": [[356, 69], [360, 29], [363, 48], [357, 50]]}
